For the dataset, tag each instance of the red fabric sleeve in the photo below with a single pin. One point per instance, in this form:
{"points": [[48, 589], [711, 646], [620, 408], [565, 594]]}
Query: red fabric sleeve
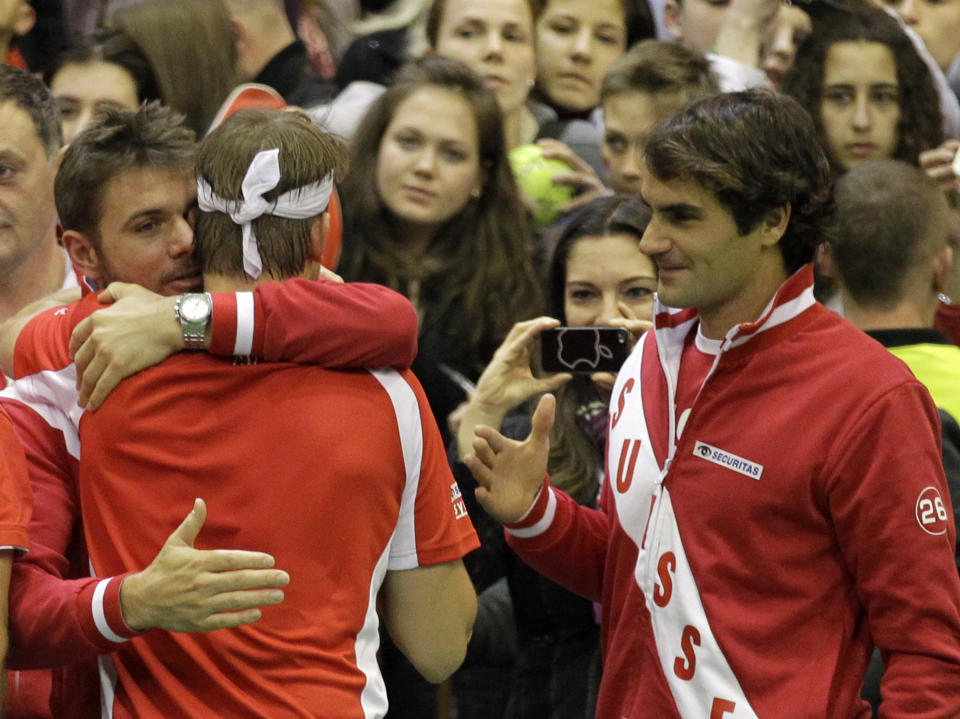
{"points": [[564, 541], [51, 619], [44, 342], [443, 528], [894, 525], [15, 497], [325, 323]]}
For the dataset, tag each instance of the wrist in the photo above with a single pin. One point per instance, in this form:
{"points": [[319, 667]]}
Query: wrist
{"points": [[131, 608]]}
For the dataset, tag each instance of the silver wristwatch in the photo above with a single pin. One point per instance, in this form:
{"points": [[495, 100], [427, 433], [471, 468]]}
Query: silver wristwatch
{"points": [[193, 311]]}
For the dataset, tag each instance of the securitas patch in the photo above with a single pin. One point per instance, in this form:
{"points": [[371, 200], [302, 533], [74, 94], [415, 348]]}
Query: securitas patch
{"points": [[728, 460]]}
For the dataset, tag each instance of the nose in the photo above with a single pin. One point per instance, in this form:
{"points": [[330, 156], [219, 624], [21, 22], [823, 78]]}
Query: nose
{"points": [[609, 308], [181, 240], [861, 112], [652, 243], [583, 45], [909, 11], [632, 162], [426, 162], [494, 43], [783, 46]]}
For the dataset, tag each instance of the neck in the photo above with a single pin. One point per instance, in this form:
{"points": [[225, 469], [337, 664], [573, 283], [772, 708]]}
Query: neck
{"points": [[905, 315], [213, 282], [37, 275], [519, 127], [416, 239], [747, 304]]}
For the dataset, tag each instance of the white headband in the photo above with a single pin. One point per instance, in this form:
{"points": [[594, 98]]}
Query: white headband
{"points": [[262, 176]]}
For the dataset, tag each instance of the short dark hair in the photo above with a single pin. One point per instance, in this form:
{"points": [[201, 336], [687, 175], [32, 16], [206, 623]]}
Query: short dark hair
{"points": [[657, 67], [755, 151], [604, 216], [110, 45], [307, 155], [32, 96], [920, 127], [892, 218], [153, 136]]}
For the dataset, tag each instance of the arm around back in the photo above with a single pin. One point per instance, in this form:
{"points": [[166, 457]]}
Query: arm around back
{"points": [[429, 612]]}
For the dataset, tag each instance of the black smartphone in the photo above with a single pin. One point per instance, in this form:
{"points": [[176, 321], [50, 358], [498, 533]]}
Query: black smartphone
{"points": [[584, 349]]}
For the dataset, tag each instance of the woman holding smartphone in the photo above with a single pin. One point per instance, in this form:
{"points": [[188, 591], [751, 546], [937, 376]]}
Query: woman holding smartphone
{"points": [[598, 276]]}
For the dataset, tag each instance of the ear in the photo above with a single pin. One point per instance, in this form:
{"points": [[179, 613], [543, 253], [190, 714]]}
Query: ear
{"points": [[672, 19], [942, 264], [83, 255], [25, 20], [775, 224], [318, 236]]}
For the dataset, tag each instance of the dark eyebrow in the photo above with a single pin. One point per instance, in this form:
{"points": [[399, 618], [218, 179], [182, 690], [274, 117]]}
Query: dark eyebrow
{"points": [[150, 212], [9, 157], [682, 210]]}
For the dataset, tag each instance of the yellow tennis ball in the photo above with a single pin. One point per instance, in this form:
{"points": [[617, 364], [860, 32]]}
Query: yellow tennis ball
{"points": [[534, 174]]}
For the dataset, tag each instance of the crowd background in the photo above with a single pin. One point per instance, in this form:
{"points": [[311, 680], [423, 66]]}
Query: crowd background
{"points": [[431, 98]]}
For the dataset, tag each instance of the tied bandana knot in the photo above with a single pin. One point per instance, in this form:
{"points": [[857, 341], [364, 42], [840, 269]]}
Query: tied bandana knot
{"points": [[262, 176]]}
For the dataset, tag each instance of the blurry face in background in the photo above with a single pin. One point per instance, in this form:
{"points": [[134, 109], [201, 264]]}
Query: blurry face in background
{"points": [[495, 39], [428, 162], [937, 22], [603, 272], [790, 27], [860, 106], [628, 118], [695, 23], [577, 42], [84, 90]]}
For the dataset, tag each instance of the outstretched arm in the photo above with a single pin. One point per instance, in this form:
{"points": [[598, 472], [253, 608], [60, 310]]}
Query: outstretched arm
{"points": [[327, 323]]}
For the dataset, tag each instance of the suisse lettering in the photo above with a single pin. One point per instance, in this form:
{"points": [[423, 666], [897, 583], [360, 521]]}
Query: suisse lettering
{"points": [[627, 389], [624, 481], [721, 707], [685, 667], [662, 594]]}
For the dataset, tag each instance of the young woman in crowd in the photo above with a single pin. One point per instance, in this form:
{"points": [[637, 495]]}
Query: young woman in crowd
{"points": [[102, 70], [866, 87], [598, 276], [431, 209], [192, 50]]}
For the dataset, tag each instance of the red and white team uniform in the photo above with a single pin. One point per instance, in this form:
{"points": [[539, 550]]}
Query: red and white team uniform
{"points": [[754, 549], [59, 621], [342, 476], [15, 499]]}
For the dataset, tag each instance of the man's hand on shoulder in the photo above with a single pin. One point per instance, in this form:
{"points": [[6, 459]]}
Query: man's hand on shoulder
{"points": [[138, 330], [193, 590]]}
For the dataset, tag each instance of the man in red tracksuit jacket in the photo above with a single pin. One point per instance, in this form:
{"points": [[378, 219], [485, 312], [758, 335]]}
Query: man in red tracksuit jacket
{"points": [[775, 503]]}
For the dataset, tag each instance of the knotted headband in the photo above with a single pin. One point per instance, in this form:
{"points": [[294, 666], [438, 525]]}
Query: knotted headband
{"points": [[262, 176]]}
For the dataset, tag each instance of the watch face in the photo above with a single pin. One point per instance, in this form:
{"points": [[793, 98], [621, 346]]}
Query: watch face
{"points": [[194, 308]]}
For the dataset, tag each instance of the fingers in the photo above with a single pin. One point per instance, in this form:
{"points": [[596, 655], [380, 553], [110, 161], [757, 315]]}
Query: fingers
{"points": [[482, 450], [186, 533], [554, 382], [117, 290], [79, 336], [543, 419], [229, 620], [604, 380], [229, 560], [243, 600]]}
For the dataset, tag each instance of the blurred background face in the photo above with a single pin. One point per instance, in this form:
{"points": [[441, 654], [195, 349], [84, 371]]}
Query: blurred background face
{"points": [[860, 109], [603, 272], [428, 162], [577, 42], [937, 22], [495, 39], [628, 118], [695, 23], [84, 90], [790, 27]]}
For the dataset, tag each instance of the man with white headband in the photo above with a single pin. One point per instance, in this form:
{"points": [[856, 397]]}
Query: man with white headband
{"points": [[341, 476], [126, 194]]}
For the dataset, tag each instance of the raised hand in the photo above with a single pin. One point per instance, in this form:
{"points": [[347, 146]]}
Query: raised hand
{"points": [[510, 473], [193, 590], [582, 177]]}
